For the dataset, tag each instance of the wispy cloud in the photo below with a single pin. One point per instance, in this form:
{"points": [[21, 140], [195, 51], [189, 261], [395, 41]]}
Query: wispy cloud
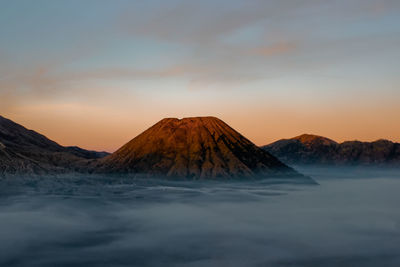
{"points": [[276, 49], [203, 27], [155, 49]]}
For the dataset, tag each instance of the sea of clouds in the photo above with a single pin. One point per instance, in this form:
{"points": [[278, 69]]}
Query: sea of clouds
{"points": [[350, 219]]}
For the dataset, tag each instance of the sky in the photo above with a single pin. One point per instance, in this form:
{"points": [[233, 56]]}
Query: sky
{"points": [[96, 73]]}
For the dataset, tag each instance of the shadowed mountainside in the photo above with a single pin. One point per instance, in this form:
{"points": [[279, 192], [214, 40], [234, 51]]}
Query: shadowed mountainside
{"points": [[24, 151], [198, 147], [313, 149]]}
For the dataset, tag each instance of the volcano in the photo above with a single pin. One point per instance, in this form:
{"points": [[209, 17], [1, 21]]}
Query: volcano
{"points": [[197, 148]]}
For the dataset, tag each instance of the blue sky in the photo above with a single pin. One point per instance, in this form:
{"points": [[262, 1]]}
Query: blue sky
{"points": [[271, 69]]}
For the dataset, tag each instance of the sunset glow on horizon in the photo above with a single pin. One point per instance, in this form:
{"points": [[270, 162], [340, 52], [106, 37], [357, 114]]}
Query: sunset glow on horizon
{"points": [[97, 73]]}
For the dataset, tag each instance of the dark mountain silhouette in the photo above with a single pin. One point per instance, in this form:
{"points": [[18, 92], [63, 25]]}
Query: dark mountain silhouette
{"points": [[198, 147], [313, 149], [24, 151]]}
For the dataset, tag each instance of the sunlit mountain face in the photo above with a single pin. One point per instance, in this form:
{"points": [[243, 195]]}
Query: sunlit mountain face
{"points": [[198, 148]]}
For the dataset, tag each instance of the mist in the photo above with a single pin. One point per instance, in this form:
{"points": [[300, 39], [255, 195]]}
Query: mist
{"points": [[350, 219]]}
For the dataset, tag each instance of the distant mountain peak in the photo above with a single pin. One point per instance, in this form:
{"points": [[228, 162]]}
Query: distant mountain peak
{"points": [[314, 149], [193, 147], [383, 141], [311, 138]]}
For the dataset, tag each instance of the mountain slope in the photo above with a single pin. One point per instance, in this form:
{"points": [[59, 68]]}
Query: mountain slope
{"points": [[198, 147], [24, 151], [313, 149]]}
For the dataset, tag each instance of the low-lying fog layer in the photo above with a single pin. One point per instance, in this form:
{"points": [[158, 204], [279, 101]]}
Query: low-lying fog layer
{"points": [[351, 219]]}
